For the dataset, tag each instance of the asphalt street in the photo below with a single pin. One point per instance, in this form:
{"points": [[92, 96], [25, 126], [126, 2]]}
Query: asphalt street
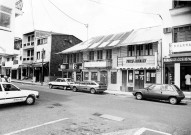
{"points": [[60, 112]]}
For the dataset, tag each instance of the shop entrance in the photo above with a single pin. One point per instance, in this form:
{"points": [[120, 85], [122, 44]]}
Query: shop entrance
{"points": [[103, 77], [185, 76], [139, 79], [124, 80]]}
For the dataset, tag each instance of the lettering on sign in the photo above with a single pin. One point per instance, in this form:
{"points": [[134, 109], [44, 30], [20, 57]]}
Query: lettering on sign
{"points": [[136, 61], [179, 59]]}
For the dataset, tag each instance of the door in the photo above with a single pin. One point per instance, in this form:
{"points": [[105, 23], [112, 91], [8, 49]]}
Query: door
{"points": [[124, 80], [139, 79], [103, 77]]}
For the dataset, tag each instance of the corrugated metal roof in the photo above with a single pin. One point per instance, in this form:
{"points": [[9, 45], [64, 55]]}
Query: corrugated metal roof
{"points": [[143, 35]]}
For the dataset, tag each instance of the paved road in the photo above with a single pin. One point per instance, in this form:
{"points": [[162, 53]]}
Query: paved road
{"points": [[60, 112]]}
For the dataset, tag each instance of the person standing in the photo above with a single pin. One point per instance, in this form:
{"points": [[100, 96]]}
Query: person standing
{"points": [[188, 83], [8, 79]]}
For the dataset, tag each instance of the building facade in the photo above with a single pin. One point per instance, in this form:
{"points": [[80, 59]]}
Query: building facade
{"points": [[124, 61], [177, 63], [40, 63]]}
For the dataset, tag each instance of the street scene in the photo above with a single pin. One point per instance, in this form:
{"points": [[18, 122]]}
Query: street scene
{"points": [[95, 67]]}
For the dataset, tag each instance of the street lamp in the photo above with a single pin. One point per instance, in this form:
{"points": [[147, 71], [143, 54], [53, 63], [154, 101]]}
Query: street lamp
{"points": [[42, 66]]}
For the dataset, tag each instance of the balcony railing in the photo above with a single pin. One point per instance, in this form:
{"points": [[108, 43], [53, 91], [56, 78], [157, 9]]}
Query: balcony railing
{"points": [[28, 45], [28, 59], [180, 47], [98, 64]]}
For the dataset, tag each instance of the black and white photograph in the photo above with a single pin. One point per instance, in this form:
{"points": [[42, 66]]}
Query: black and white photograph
{"points": [[95, 67]]}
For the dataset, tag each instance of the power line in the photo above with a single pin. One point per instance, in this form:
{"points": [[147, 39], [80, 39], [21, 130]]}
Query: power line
{"points": [[67, 14]]}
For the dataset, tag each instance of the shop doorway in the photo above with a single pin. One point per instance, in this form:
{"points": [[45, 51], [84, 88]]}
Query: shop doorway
{"points": [[124, 80], [103, 77], [139, 79], [185, 76]]}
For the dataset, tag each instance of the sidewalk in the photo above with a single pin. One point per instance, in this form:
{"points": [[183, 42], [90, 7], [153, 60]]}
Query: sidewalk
{"points": [[114, 92]]}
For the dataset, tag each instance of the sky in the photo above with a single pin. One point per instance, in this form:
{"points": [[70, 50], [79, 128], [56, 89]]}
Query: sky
{"points": [[102, 16]]}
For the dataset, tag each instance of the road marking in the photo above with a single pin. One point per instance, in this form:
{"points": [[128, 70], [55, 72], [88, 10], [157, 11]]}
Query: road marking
{"points": [[25, 129], [112, 117], [142, 130]]}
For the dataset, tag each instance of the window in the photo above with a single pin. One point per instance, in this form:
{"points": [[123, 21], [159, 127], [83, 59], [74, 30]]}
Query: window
{"points": [[113, 77], [28, 52], [91, 55], [109, 54], [5, 16], [10, 87], [43, 54], [42, 41], [32, 38], [7, 59], [32, 52], [157, 87], [130, 76], [13, 58], [86, 75], [29, 38], [38, 55], [150, 76], [148, 49], [74, 58], [182, 34], [94, 76], [99, 54], [38, 42], [131, 50], [168, 88], [139, 50]]}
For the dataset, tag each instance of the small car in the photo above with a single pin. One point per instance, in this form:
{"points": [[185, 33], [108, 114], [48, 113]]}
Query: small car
{"points": [[168, 92], [9, 93], [91, 86], [63, 82]]}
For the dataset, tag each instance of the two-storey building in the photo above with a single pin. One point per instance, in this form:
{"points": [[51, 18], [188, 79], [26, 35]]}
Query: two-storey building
{"points": [[177, 39], [123, 61], [39, 59]]}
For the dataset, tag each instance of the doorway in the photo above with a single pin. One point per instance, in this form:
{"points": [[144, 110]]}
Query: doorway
{"points": [[139, 79], [103, 77], [124, 80]]}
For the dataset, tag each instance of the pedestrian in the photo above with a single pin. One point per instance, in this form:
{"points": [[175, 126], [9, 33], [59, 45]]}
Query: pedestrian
{"points": [[8, 79]]}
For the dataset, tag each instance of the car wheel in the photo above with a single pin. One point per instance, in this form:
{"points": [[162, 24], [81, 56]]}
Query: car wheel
{"points": [[173, 100], [92, 91], [30, 100], [139, 96], [50, 86], [74, 89]]}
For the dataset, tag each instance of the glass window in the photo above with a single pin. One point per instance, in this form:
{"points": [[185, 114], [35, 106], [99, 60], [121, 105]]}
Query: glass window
{"points": [[150, 76], [38, 55], [169, 88], [130, 76], [91, 55], [99, 54], [5, 17], [157, 87], [10, 87], [109, 54], [131, 50], [86, 75], [113, 77], [94, 76]]}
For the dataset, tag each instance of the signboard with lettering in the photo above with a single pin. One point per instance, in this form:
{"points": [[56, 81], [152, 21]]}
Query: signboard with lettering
{"points": [[178, 59], [180, 46]]}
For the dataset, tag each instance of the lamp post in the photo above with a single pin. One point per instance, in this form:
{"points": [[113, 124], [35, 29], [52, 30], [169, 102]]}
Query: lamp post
{"points": [[42, 66]]}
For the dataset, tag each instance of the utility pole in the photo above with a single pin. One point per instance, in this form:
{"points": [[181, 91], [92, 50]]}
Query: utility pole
{"points": [[42, 76]]}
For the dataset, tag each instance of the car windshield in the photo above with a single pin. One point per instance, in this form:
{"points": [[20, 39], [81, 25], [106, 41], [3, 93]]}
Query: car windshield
{"points": [[176, 87]]}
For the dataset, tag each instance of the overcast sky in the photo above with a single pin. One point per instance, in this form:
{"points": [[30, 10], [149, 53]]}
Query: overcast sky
{"points": [[102, 16]]}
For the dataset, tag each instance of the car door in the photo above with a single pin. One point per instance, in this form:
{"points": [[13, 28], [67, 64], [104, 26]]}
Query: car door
{"points": [[155, 92], [80, 86], [13, 94], [2, 96]]}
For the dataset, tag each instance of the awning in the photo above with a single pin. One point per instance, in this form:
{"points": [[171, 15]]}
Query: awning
{"points": [[143, 36]]}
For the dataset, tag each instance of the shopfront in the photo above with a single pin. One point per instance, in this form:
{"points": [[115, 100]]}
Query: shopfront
{"points": [[178, 71]]}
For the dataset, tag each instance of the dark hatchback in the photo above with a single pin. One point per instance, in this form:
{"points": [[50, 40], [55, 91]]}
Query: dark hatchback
{"points": [[160, 92]]}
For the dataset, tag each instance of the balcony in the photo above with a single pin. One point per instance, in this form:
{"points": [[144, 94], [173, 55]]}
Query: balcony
{"points": [[137, 62], [98, 64], [180, 49], [28, 59], [28, 45], [8, 63]]}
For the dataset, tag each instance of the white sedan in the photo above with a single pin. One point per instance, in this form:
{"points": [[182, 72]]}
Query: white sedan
{"points": [[9, 93]]}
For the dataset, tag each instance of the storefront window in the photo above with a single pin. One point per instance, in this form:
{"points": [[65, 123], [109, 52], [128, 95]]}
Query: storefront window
{"points": [[94, 76], [130, 76], [86, 75], [113, 77], [150, 76]]}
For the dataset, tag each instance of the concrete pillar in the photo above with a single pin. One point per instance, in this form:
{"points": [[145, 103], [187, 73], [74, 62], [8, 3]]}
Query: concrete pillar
{"points": [[177, 74]]}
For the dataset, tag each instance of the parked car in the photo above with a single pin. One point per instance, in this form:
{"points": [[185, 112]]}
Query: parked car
{"points": [[91, 86], [63, 82], [168, 92], [9, 93]]}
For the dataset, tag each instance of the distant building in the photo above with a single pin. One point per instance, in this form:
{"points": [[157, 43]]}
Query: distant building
{"points": [[39, 59], [124, 61], [177, 40]]}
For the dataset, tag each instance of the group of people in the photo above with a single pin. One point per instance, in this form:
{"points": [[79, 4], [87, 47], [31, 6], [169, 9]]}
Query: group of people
{"points": [[5, 78]]}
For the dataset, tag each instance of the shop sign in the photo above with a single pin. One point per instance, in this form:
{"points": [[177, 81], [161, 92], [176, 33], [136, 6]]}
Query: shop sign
{"points": [[181, 46], [179, 59], [136, 61]]}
